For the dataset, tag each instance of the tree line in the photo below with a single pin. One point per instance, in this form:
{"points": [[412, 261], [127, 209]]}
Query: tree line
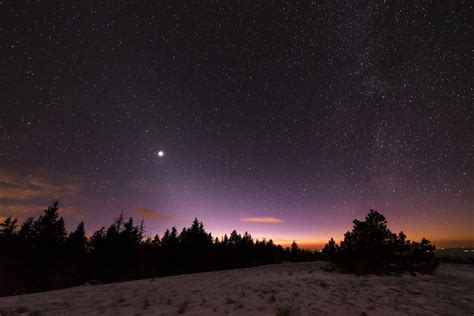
{"points": [[41, 255]]}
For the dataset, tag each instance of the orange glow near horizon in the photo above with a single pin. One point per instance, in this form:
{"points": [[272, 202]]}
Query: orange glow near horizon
{"points": [[318, 245]]}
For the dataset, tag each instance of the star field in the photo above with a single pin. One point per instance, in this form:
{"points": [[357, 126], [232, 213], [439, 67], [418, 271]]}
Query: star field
{"points": [[310, 113]]}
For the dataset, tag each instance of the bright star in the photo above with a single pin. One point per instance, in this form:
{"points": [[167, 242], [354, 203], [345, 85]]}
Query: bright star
{"points": [[161, 154]]}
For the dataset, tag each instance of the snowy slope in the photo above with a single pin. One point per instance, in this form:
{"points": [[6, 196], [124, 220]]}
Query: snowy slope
{"points": [[285, 289]]}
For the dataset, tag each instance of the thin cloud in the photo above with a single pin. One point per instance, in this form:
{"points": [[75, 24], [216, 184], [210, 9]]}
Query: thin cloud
{"points": [[28, 193], [273, 220], [149, 213]]}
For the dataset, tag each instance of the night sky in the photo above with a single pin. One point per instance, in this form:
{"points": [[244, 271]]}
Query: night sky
{"points": [[284, 118]]}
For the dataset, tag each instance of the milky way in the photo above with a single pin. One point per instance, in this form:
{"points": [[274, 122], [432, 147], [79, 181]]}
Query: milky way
{"points": [[297, 115]]}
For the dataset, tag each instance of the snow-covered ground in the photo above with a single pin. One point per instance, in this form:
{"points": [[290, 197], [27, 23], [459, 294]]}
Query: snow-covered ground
{"points": [[284, 289]]}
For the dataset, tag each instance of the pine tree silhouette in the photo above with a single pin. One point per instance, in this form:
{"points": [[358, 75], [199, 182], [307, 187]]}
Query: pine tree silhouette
{"points": [[372, 248], [329, 250]]}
